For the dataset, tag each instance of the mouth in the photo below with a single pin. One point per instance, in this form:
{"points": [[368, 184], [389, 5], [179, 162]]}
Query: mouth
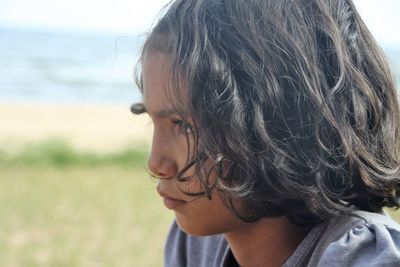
{"points": [[170, 202]]}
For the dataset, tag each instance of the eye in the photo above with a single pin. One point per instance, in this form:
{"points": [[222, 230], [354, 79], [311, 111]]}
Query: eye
{"points": [[183, 126]]}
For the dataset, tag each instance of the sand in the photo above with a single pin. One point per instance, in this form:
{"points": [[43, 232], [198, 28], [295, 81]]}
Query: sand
{"points": [[91, 128]]}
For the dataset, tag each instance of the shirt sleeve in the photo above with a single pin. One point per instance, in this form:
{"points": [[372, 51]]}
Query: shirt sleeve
{"points": [[366, 244], [175, 248], [183, 250]]}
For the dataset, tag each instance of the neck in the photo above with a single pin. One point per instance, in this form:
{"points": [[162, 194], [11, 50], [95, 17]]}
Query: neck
{"points": [[268, 242]]}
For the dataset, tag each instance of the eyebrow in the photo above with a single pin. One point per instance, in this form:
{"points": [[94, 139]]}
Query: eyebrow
{"points": [[163, 113], [139, 108]]}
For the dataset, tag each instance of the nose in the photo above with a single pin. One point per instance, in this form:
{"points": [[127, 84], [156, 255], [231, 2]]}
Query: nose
{"points": [[161, 162], [161, 167]]}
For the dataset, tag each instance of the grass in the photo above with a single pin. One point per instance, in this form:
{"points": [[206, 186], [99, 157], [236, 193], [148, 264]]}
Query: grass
{"points": [[64, 208], [57, 153], [59, 207]]}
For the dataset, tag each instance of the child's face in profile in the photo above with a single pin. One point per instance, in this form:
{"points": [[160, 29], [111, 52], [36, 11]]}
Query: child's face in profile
{"points": [[195, 215]]}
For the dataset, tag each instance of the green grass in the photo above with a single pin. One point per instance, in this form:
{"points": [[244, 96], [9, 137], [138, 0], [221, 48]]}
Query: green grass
{"points": [[79, 210], [63, 208], [58, 153]]}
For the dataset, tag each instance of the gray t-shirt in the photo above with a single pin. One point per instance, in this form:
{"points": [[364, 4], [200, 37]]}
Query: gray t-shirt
{"points": [[360, 239]]}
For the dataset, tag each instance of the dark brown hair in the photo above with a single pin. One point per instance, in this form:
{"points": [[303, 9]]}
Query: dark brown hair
{"points": [[293, 100]]}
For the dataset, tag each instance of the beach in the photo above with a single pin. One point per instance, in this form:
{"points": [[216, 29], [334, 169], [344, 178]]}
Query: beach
{"points": [[91, 205], [94, 128]]}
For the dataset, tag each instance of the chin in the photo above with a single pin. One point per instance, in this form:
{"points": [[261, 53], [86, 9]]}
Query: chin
{"points": [[195, 229], [203, 226]]}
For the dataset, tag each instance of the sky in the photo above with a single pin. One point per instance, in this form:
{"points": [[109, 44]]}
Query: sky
{"points": [[119, 16], [137, 16]]}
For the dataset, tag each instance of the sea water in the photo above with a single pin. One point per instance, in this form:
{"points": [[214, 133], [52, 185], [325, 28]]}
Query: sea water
{"points": [[70, 68]]}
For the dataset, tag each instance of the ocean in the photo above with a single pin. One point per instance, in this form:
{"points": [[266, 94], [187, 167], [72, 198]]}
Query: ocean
{"points": [[67, 68], [71, 68]]}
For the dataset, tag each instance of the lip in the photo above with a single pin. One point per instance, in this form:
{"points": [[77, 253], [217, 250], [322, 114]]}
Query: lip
{"points": [[170, 202]]}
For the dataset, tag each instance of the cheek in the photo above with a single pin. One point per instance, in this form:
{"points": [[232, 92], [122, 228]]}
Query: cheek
{"points": [[193, 183], [202, 216], [207, 217]]}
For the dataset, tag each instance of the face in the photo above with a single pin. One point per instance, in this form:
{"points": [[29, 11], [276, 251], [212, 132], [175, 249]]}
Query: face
{"points": [[195, 215]]}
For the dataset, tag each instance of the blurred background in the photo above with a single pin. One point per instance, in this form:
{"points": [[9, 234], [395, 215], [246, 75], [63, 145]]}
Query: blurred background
{"points": [[74, 191]]}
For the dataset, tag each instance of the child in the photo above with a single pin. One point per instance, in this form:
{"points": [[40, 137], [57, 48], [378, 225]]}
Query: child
{"points": [[276, 134]]}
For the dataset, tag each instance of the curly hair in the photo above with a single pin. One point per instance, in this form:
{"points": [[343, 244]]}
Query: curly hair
{"points": [[292, 100]]}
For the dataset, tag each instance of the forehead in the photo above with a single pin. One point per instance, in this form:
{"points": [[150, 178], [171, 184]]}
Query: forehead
{"points": [[157, 84], [156, 69], [155, 75]]}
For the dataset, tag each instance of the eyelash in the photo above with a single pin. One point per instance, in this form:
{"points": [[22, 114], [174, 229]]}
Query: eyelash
{"points": [[184, 126]]}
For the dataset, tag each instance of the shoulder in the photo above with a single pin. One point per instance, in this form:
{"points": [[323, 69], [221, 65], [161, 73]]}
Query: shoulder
{"points": [[182, 249], [358, 239]]}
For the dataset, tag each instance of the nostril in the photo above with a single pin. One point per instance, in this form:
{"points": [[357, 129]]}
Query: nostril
{"points": [[152, 174], [161, 167]]}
